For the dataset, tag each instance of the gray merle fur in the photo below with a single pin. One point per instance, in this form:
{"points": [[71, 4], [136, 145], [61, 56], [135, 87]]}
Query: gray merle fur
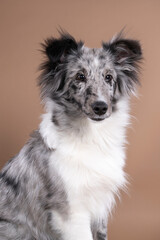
{"points": [[28, 192]]}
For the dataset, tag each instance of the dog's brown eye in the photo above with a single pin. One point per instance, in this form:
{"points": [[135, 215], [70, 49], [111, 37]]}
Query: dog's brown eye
{"points": [[80, 77], [108, 78]]}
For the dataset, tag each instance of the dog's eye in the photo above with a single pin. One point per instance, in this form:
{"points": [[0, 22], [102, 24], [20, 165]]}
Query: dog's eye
{"points": [[80, 77], [108, 78]]}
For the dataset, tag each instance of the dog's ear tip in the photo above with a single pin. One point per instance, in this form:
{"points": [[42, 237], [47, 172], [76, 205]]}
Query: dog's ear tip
{"points": [[137, 47], [46, 45]]}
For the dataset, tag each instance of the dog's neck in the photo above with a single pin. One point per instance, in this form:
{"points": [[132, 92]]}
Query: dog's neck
{"points": [[58, 124]]}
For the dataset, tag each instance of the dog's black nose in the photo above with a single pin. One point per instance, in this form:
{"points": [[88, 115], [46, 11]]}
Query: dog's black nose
{"points": [[99, 108]]}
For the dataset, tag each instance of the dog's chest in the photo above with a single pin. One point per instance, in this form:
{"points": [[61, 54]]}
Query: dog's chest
{"points": [[91, 173]]}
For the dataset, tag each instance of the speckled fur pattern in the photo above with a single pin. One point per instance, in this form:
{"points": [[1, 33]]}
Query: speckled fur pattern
{"points": [[63, 182]]}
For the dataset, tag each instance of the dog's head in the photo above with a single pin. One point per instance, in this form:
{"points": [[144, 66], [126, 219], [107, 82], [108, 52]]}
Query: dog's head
{"points": [[89, 82]]}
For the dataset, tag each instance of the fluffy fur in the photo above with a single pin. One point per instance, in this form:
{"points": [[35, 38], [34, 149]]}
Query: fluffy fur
{"points": [[62, 184]]}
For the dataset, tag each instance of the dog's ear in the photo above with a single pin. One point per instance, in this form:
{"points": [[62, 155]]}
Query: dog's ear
{"points": [[57, 49], [126, 51], [52, 79], [127, 55]]}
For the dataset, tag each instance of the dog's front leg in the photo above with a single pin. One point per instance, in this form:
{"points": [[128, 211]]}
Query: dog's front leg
{"points": [[100, 230], [75, 227], [78, 228]]}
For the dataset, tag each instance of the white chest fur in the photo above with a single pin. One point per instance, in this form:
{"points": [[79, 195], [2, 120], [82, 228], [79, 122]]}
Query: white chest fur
{"points": [[90, 162], [90, 176]]}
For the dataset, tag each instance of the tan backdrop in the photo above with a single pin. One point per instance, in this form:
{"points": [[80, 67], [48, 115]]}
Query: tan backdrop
{"points": [[23, 25]]}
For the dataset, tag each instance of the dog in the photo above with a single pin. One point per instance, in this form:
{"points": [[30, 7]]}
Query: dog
{"points": [[63, 182]]}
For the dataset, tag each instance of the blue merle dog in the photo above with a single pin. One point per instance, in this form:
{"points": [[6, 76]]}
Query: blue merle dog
{"points": [[62, 184]]}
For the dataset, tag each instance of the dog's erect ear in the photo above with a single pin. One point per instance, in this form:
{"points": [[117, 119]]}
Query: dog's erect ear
{"points": [[57, 49], [126, 51], [127, 55], [52, 79]]}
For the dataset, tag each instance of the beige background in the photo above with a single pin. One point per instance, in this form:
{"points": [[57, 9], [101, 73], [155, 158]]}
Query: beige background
{"points": [[23, 25]]}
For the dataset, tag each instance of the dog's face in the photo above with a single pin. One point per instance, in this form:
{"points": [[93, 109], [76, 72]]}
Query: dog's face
{"points": [[86, 81], [91, 83]]}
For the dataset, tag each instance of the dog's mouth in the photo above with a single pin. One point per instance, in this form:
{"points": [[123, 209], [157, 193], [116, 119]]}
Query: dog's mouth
{"points": [[97, 119]]}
